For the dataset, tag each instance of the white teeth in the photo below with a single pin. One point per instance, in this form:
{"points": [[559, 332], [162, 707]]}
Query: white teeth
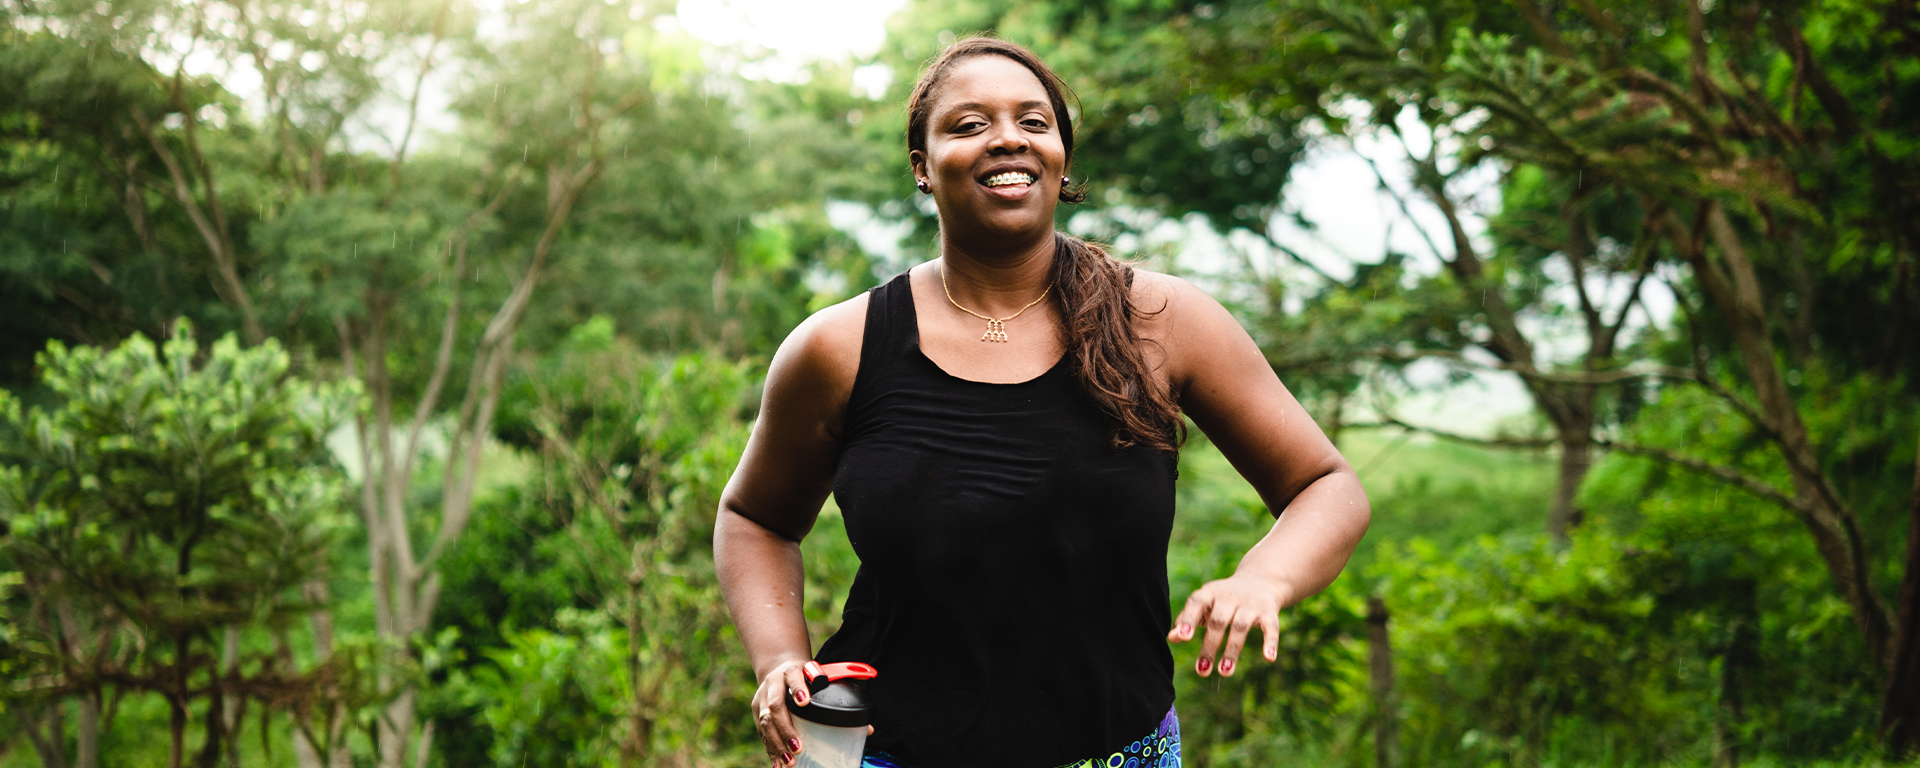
{"points": [[1009, 178]]}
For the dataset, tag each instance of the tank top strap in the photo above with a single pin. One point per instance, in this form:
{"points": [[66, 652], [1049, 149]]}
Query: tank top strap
{"points": [[891, 334], [890, 320]]}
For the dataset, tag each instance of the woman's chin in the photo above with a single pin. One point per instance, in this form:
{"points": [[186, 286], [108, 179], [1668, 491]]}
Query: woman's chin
{"points": [[1014, 226]]}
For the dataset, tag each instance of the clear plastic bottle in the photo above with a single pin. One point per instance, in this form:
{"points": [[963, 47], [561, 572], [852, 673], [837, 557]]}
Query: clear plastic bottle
{"points": [[833, 724]]}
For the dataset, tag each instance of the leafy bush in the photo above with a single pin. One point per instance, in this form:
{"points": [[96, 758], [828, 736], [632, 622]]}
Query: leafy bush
{"points": [[168, 501]]}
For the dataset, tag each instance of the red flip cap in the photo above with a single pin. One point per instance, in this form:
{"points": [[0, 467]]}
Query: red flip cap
{"points": [[840, 670]]}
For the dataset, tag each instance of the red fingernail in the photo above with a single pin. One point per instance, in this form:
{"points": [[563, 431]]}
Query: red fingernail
{"points": [[1226, 667], [1204, 665], [800, 696], [1186, 630], [793, 745]]}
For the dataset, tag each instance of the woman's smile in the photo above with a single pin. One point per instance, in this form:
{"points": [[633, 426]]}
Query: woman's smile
{"points": [[1010, 181], [994, 155]]}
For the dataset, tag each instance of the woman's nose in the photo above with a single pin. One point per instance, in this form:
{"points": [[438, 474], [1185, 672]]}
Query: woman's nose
{"points": [[1006, 137]]}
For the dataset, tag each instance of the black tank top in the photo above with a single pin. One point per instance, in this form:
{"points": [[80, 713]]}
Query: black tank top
{"points": [[1012, 588]]}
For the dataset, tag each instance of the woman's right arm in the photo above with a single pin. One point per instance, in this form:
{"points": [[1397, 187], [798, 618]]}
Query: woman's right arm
{"points": [[771, 501]]}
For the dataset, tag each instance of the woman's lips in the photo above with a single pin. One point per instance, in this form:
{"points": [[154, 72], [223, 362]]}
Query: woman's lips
{"points": [[1009, 191]]}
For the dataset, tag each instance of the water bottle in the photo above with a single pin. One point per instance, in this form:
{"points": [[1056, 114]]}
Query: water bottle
{"points": [[833, 724]]}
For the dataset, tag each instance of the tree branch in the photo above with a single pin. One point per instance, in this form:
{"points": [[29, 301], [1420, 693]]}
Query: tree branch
{"points": [[413, 103], [1485, 442], [1726, 474], [1543, 28], [218, 246], [450, 327]]}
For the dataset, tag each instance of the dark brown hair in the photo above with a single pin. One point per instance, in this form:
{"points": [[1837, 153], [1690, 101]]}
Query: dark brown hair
{"points": [[1091, 289]]}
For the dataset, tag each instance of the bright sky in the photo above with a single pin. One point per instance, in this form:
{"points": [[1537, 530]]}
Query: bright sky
{"points": [[792, 31]]}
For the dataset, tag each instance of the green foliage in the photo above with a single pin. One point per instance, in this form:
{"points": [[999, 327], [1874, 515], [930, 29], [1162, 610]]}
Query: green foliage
{"points": [[554, 698], [1514, 651], [171, 493], [1740, 581], [615, 531]]}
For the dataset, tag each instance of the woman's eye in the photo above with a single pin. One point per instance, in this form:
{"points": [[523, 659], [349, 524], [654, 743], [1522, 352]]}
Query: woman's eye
{"points": [[1035, 123]]}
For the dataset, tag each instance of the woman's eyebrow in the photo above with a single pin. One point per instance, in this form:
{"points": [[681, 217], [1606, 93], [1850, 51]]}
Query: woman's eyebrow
{"points": [[982, 107]]}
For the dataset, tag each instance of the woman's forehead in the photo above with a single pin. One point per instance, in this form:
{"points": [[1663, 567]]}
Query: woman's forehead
{"points": [[989, 81]]}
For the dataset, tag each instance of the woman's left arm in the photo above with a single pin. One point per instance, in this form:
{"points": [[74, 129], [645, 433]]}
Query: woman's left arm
{"points": [[1226, 386]]}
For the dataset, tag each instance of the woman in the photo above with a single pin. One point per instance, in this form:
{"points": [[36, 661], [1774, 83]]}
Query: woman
{"points": [[999, 427]]}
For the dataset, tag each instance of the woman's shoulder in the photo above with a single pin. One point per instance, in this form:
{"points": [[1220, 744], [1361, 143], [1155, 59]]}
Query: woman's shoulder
{"points": [[1188, 328], [1169, 303], [826, 345]]}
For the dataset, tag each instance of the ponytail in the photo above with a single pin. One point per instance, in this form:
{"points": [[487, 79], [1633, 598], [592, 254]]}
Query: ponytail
{"points": [[1092, 292]]}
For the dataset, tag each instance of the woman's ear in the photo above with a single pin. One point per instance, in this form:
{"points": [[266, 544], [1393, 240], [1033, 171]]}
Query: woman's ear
{"points": [[918, 160]]}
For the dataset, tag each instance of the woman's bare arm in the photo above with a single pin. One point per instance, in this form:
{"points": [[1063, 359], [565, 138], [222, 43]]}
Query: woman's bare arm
{"points": [[1226, 386], [771, 502]]}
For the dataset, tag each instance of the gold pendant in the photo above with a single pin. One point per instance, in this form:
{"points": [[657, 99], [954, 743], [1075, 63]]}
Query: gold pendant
{"points": [[996, 331]]}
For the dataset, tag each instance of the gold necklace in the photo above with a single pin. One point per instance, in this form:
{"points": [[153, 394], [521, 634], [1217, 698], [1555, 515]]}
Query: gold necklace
{"points": [[996, 327]]}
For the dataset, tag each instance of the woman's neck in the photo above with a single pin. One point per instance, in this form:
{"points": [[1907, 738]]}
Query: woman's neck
{"points": [[998, 277]]}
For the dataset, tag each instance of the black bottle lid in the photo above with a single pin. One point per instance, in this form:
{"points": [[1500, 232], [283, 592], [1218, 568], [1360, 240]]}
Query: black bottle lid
{"points": [[839, 698]]}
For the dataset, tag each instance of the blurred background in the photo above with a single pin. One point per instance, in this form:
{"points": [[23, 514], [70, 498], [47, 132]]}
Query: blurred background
{"points": [[371, 367]]}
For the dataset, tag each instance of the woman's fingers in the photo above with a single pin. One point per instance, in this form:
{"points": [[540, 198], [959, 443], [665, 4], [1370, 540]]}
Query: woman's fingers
{"points": [[1226, 614], [797, 682], [1216, 623], [773, 720], [776, 727], [1190, 616], [1237, 627], [1270, 635]]}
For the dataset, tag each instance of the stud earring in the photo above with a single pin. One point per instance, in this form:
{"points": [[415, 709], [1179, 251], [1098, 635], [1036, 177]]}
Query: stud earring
{"points": [[1066, 181], [924, 189]]}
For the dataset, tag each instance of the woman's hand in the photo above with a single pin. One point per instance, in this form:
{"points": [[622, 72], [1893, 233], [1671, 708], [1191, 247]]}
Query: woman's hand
{"points": [[1229, 608], [782, 740]]}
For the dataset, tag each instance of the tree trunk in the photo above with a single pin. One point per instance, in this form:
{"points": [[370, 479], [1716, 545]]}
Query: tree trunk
{"points": [[1737, 658], [330, 754], [211, 749], [1900, 710], [177, 730], [87, 725], [1386, 722], [1568, 406], [233, 707], [1576, 458], [396, 730], [1733, 286], [87, 737], [50, 745]]}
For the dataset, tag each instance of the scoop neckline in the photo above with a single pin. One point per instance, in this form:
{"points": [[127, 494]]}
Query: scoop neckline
{"points": [[949, 374], [913, 308]]}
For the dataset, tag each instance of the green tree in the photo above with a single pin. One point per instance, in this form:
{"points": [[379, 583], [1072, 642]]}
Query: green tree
{"points": [[612, 535], [162, 507], [638, 450]]}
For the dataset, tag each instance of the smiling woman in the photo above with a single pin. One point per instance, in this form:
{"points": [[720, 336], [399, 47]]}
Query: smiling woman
{"points": [[1010, 491]]}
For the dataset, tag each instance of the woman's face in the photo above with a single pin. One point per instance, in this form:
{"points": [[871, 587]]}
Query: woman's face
{"points": [[994, 157]]}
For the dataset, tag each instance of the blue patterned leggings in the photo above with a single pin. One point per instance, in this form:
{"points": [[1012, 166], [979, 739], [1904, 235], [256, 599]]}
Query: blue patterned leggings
{"points": [[1160, 749]]}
